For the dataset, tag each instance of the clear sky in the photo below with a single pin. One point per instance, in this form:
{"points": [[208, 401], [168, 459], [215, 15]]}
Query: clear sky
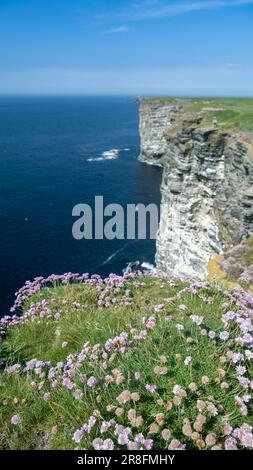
{"points": [[140, 47]]}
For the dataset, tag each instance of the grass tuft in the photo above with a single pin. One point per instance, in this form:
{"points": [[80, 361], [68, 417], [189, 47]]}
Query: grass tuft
{"points": [[163, 364]]}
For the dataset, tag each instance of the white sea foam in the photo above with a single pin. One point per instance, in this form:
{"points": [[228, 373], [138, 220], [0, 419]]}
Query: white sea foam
{"points": [[113, 153], [138, 266], [148, 266], [116, 253], [108, 155], [113, 255], [95, 159]]}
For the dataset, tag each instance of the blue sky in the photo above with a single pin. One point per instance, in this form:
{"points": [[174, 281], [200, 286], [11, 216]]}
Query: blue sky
{"points": [[146, 47]]}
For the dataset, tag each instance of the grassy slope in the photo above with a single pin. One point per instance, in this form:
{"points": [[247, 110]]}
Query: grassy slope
{"points": [[51, 424], [232, 113]]}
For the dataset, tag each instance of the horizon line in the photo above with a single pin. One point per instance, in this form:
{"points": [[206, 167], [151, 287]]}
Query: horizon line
{"points": [[131, 95]]}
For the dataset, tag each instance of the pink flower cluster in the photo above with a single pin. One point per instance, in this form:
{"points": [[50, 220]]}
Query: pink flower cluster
{"points": [[190, 414]]}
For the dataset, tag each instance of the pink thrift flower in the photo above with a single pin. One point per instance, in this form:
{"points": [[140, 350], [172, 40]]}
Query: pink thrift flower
{"points": [[148, 444], [210, 439], [205, 380], [188, 361], [176, 445], [92, 382], [151, 388], [47, 396], [166, 434], [78, 394], [193, 387], [158, 308], [230, 444], [182, 307], [197, 319], [137, 375], [78, 435], [224, 335], [15, 420], [124, 397]]}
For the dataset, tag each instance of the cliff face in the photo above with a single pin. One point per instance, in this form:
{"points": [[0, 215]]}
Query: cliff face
{"points": [[207, 187], [155, 120]]}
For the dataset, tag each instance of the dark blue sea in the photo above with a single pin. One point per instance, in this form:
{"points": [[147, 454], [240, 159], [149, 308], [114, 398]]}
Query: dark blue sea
{"points": [[51, 159]]}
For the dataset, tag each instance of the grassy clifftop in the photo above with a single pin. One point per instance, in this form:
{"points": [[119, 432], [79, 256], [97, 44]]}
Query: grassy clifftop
{"points": [[137, 362], [231, 113]]}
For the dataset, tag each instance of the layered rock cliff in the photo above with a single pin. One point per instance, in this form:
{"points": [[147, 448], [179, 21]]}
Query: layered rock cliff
{"points": [[207, 187]]}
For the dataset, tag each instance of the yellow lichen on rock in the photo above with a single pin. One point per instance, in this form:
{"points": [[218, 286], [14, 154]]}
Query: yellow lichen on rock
{"points": [[216, 274], [214, 270]]}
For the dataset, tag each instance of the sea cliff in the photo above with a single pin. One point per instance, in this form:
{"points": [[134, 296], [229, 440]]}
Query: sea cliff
{"points": [[207, 195]]}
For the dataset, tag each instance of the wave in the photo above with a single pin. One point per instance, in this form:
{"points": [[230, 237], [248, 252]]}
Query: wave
{"points": [[113, 153], [95, 159], [113, 255], [108, 155], [138, 266]]}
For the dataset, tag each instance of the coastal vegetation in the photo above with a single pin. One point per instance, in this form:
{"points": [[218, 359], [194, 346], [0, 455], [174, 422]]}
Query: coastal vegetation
{"points": [[231, 113], [132, 362], [235, 266]]}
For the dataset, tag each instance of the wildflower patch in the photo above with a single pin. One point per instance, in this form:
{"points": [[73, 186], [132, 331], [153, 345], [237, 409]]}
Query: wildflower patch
{"points": [[167, 365]]}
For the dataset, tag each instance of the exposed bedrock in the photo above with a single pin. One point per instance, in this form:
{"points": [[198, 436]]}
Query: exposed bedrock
{"points": [[207, 187]]}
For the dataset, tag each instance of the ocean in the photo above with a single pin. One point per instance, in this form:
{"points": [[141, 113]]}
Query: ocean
{"points": [[52, 158]]}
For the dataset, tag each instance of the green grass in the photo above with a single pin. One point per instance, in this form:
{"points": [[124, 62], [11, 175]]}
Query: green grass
{"points": [[237, 113], [51, 424]]}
